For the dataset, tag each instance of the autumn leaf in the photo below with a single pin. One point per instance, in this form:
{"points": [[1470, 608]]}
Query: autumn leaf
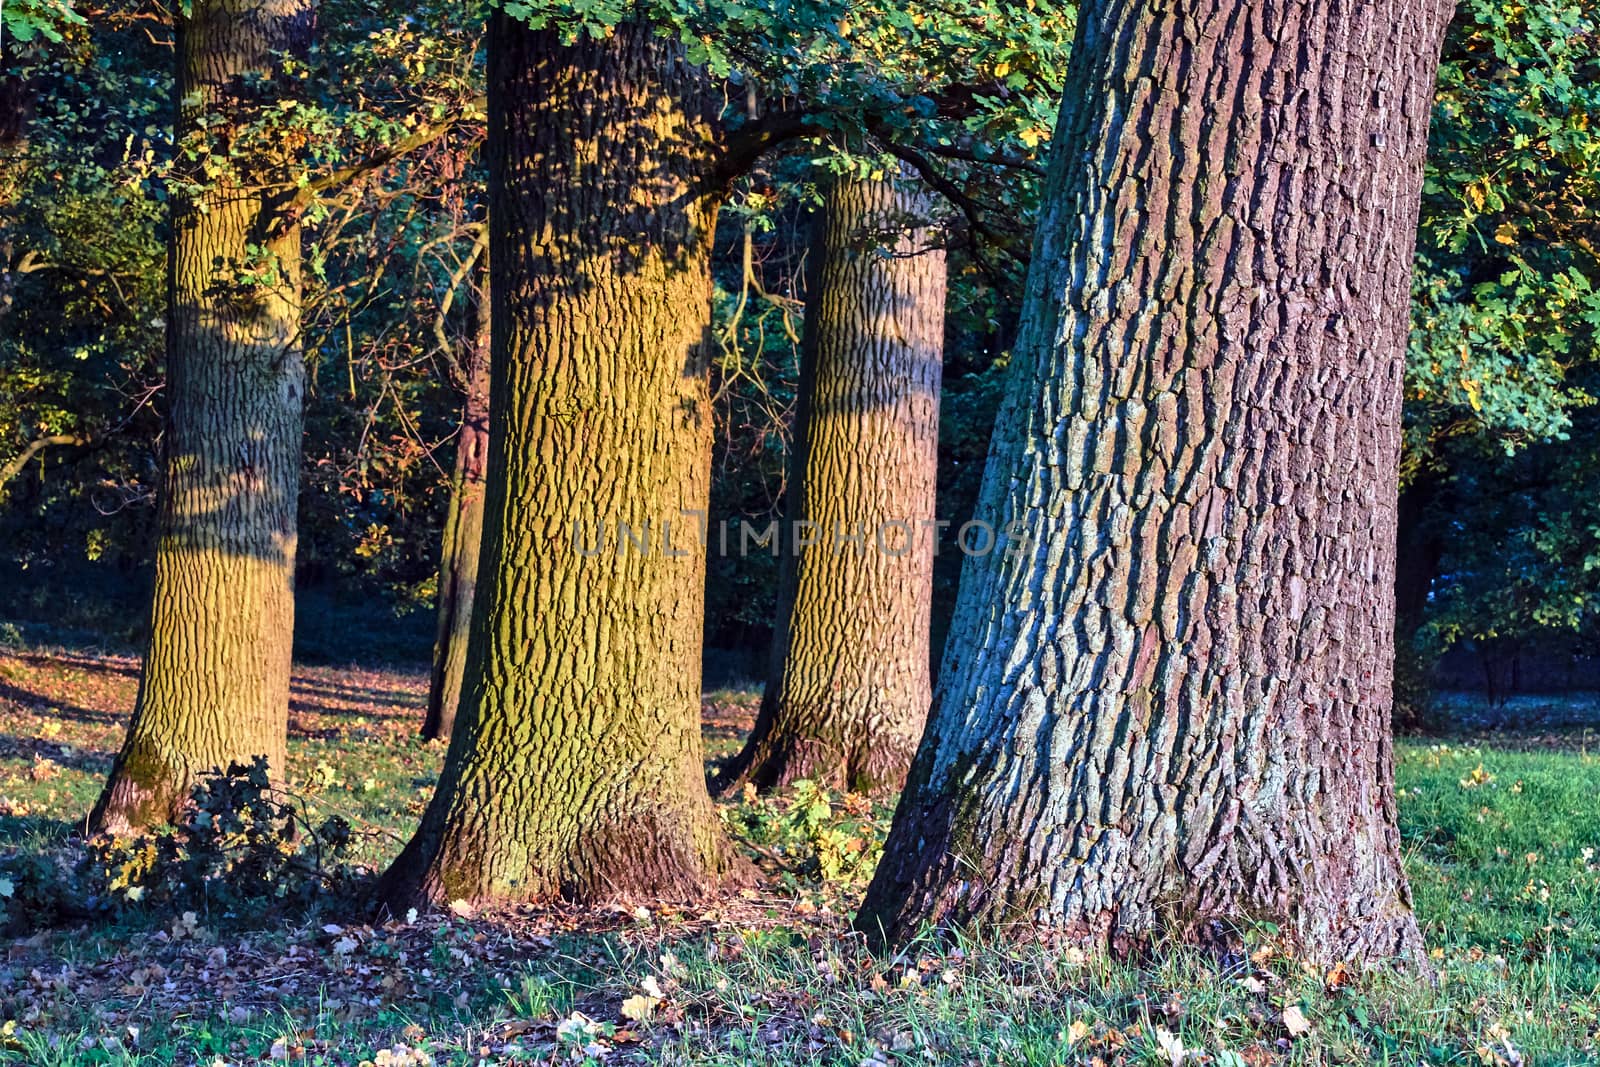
{"points": [[639, 1007], [1171, 1046]]}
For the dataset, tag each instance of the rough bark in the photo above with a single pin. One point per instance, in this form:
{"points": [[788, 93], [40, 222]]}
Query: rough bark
{"points": [[215, 681], [850, 682], [463, 536], [575, 769], [1167, 710]]}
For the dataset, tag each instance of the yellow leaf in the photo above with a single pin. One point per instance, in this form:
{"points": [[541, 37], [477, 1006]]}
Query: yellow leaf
{"points": [[638, 1008], [1295, 1021], [1171, 1046], [1077, 1031], [1506, 234]]}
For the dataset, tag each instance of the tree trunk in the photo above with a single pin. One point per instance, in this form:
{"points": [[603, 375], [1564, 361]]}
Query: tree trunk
{"points": [[850, 684], [1418, 552], [1165, 709], [463, 535], [16, 112], [215, 683], [1419, 549], [576, 766]]}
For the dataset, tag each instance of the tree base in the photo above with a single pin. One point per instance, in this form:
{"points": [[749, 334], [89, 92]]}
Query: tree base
{"points": [[784, 749], [651, 858], [775, 766], [143, 790], [1342, 914]]}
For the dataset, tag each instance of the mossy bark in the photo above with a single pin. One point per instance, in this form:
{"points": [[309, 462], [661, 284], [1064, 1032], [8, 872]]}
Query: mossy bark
{"points": [[850, 682], [463, 535], [214, 687], [575, 769], [1167, 712]]}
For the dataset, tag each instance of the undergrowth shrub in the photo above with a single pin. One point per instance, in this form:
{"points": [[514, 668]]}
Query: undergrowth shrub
{"points": [[243, 844], [36, 889], [816, 834]]}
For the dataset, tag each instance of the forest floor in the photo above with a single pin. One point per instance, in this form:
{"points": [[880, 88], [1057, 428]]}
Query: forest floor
{"points": [[1501, 837]]}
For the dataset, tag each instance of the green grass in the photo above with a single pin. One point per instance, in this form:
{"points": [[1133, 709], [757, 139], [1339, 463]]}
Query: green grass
{"points": [[1502, 845], [1503, 852]]}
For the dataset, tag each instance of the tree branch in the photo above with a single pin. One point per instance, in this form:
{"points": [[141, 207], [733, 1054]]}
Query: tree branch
{"points": [[754, 139], [480, 246], [425, 135], [12, 469], [996, 159], [951, 192]]}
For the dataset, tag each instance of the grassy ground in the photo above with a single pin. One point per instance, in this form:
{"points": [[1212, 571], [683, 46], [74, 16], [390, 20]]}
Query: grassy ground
{"points": [[1501, 837]]}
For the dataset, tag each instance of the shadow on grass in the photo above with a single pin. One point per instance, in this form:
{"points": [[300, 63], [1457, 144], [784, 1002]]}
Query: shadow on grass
{"points": [[90, 761], [35, 830], [45, 704]]}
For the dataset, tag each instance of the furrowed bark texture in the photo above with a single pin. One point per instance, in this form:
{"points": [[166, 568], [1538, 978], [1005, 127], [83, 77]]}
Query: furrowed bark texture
{"points": [[463, 536], [575, 769], [215, 682], [1170, 711], [851, 683]]}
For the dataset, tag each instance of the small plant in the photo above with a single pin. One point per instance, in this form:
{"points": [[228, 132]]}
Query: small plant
{"points": [[244, 842], [539, 996], [836, 838], [846, 846], [37, 888], [586, 1041]]}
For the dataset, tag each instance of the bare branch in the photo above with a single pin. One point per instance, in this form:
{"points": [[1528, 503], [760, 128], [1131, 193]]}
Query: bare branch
{"points": [[12, 469], [424, 135]]}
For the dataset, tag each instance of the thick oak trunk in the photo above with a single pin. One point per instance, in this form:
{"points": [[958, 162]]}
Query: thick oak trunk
{"points": [[575, 769], [850, 684], [1168, 709], [463, 536], [215, 682]]}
